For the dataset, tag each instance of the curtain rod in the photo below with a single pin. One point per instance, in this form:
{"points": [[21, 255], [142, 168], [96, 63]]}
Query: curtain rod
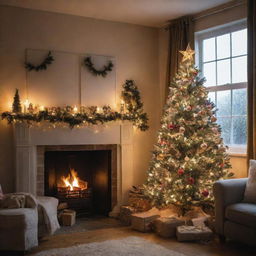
{"points": [[208, 13], [218, 10]]}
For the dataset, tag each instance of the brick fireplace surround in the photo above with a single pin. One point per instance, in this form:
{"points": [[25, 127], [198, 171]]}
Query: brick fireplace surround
{"points": [[32, 142]]}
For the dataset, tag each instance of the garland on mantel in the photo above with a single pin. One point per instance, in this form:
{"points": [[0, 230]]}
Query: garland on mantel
{"points": [[43, 66], [131, 110], [103, 72]]}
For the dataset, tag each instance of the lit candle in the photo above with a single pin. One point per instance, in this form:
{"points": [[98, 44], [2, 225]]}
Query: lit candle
{"points": [[99, 109], [26, 105], [75, 109]]}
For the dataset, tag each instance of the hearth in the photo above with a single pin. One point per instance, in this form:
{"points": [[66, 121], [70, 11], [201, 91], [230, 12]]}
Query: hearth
{"points": [[82, 179]]}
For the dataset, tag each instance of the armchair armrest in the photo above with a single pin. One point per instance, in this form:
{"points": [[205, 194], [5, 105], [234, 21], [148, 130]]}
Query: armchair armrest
{"points": [[226, 192]]}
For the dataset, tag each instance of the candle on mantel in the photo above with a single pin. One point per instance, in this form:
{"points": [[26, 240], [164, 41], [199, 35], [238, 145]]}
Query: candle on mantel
{"points": [[26, 105], [75, 109], [99, 109]]}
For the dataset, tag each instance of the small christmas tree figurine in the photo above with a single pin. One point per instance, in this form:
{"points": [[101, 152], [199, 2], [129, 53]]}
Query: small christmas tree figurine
{"points": [[189, 155], [16, 106]]}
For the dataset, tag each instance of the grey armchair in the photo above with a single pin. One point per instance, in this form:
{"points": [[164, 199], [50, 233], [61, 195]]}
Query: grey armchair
{"points": [[18, 227], [235, 219]]}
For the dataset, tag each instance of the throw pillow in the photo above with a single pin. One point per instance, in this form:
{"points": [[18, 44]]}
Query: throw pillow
{"points": [[250, 190], [13, 201]]}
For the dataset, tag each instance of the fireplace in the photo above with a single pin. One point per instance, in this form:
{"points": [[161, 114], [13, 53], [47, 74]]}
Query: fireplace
{"points": [[82, 179], [32, 143]]}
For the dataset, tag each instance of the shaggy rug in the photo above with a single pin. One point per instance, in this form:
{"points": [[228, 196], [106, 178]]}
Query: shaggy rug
{"points": [[130, 246]]}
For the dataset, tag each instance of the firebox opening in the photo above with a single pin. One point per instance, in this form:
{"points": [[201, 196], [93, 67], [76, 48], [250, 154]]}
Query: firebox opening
{"points": [[82, 179]]}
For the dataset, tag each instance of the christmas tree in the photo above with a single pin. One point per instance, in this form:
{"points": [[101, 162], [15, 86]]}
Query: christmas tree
{"points": [[189, 155], [16, 106]]}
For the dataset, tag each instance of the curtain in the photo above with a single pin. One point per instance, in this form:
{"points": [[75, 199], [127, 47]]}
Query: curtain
{"points": [[181, 33], [251, 124]]}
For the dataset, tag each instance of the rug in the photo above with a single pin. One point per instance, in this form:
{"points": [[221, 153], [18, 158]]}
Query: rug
{"points": [[130, 246]]}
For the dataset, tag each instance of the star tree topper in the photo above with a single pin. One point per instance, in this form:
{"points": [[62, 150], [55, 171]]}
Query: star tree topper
{"points": [[188, 54]]}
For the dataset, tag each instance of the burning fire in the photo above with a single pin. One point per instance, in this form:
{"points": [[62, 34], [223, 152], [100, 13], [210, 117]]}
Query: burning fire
{"points": [[72, 181]]}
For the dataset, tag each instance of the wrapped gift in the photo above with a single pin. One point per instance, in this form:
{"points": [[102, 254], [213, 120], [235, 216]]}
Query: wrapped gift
{"points": [[166, 227], [143, 221], [138, 200], [193, 233], [126, 213], [68, 218]]}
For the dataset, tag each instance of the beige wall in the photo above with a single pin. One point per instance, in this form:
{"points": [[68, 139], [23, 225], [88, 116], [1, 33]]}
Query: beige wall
{"points": [[135, 48]]}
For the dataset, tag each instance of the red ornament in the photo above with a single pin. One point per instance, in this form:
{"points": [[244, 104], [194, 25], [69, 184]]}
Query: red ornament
{"points": [[222, 165], [205, 193], [213, 119], [163, 142], [171, 126], [180, 171], [191, 180]]}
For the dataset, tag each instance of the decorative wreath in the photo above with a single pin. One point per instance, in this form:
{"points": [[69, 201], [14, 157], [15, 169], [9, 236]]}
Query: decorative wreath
{"points": [[103, 72], [43, 66]]}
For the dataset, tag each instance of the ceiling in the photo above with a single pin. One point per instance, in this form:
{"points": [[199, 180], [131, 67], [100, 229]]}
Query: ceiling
{"points": [[153, 13]]}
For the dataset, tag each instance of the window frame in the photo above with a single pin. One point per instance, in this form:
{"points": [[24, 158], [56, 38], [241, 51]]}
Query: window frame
{"points": [[214, 32]]}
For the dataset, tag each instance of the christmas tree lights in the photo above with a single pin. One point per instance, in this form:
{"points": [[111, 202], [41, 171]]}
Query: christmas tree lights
{"points": [[189, 155]]}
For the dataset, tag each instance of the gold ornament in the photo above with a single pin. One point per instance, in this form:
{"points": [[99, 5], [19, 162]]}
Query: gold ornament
{"points": [[188, 54]]}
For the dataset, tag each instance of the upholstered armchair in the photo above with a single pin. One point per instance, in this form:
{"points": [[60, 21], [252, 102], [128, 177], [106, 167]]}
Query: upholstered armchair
{"points": [[18, 226], [235, 219]]}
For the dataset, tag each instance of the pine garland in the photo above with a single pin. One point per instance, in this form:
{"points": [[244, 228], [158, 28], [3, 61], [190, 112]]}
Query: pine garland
{"points": [[133, 104], [103, 72], [132, 111], [43, 66]]}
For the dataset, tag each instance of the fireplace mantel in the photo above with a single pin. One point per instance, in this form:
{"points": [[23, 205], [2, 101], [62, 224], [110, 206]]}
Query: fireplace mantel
{"points": [[28, 139]]}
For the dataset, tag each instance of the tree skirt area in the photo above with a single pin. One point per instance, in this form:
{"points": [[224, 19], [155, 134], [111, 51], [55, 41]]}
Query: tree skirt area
{"points": [[130, 246]]}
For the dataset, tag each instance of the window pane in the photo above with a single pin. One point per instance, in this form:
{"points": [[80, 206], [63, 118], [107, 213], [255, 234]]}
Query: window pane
{"points": [[223, 46], [223, 72], [225, 124], [211, 97], [224, 103], [239, 42], [209, 49], [239, 103], [209, 70], [239, 130], [239, 69]]}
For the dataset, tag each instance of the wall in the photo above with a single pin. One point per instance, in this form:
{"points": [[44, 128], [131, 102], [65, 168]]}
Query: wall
{"points": [[135, 48], [202, 21]]}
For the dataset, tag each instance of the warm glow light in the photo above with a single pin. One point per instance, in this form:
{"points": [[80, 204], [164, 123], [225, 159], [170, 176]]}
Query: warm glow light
{"points": [[26, 105], [42, 108], [99, 109], [75, 109], [72, 181]]}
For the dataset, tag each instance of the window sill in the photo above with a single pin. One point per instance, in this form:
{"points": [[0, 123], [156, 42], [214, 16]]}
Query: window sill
{"points": [[235, 154]]}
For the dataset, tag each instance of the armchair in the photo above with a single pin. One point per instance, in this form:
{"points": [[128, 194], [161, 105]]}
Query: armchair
{"points": [[235, 219], [18, 227]]}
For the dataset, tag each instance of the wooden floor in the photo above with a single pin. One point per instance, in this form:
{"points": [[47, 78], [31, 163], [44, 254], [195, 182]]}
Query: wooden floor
{"points": [[102, 229]]}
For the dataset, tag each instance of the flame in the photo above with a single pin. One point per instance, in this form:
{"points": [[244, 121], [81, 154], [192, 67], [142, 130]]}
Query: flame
{"points": [[72, 181]]}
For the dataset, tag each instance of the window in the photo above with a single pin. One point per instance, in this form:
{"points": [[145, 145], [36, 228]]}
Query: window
{"points": [[222, 58]]}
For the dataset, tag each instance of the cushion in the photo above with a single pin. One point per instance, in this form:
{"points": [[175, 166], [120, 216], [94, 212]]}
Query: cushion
{"points": [[13, 201], [242, 213], [250, 190], [21, 218]]}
